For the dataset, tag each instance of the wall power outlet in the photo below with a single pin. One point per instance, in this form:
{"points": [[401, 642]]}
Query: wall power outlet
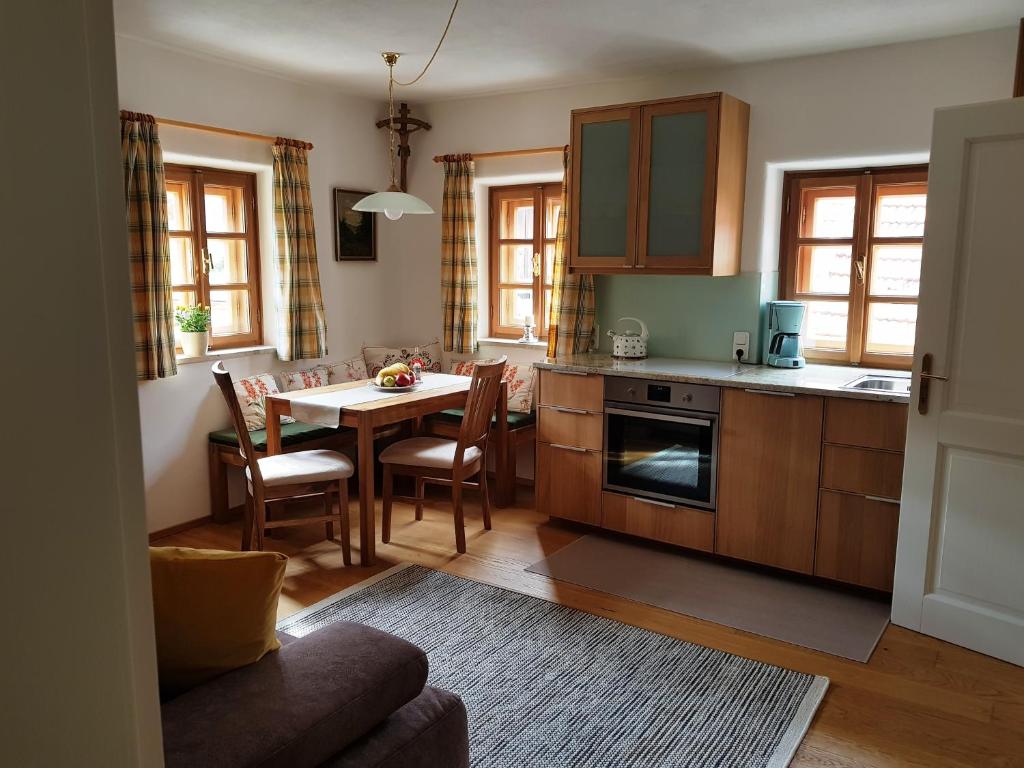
{"points": [[741, 343]]}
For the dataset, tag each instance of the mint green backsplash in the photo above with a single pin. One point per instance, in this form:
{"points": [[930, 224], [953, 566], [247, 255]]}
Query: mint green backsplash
{"points": [[687, 316]]}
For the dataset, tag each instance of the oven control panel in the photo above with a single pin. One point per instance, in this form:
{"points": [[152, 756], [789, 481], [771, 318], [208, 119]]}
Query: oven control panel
{"points": [[667, 394]]}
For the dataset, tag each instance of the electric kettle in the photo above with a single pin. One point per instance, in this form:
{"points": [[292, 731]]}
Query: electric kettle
{"points": [[630, 345]]}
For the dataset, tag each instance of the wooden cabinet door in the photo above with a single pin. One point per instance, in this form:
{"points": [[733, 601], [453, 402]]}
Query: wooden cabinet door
{"points": [[604, 167], [568, 483], [768, 478], [857, 539], [676, 212]]}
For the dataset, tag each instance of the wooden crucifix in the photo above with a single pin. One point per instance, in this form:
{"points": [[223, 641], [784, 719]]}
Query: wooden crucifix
{"points": [[404, 125]]}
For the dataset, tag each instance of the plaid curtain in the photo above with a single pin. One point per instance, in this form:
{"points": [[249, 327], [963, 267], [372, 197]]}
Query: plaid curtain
{"points": [[149, 248], [571, 322], [302, 330], [458, 255]]}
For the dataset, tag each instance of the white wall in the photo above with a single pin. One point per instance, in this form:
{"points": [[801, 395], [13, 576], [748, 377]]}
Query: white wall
{"points": [[349, 152], [78, 684], [846, 108]]}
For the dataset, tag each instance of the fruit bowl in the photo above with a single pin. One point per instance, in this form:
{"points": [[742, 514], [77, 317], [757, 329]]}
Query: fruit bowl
{"points": [[379, 388]]}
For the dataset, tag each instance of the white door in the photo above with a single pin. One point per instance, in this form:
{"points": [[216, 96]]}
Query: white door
{"points": [[960, 558]]}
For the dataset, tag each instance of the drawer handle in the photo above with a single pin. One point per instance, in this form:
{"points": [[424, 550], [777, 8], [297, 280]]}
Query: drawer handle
{"points": [[883, 500], [655, 503], [563, 409], [769, 392], [570, 373], [572, 448]]}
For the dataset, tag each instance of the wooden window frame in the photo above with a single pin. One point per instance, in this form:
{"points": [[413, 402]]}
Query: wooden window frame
{"points": [[865, 182], [496, 195], [195, 178]]}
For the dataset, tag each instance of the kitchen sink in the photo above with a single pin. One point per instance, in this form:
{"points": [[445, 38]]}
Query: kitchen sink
{"points": [[897, 384]]}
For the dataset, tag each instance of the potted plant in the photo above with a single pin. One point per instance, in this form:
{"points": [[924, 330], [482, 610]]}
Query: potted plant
{"points": [[193, 329]]}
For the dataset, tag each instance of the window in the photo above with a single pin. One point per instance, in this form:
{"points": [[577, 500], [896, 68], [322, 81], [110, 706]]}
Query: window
{"points": [[851, 251], [523, 227], [215, 251]]}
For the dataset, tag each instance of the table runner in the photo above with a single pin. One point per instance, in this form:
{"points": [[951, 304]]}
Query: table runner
{"points": [[325, 409]]}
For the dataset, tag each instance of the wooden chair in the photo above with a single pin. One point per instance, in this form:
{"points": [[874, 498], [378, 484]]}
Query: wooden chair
{"points": [[448, 462], [288, 476]]}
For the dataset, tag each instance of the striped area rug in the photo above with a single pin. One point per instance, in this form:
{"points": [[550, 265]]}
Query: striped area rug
{"points": [[548, 686]]}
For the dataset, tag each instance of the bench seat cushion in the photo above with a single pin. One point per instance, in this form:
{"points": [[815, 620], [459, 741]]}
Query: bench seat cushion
{"points": [[291, 434], [515, 419]]}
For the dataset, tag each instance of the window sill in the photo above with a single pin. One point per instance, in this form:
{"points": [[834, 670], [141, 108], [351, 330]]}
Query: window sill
{"points": [[259, 349], [493, 341]]}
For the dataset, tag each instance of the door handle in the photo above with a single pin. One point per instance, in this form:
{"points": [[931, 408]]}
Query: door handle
{"points": [[562, 409], [924, 386], [571, 373]]}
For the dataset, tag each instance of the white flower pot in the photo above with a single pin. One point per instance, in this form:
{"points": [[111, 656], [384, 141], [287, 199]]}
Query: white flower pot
{"points": [[194, 343]]}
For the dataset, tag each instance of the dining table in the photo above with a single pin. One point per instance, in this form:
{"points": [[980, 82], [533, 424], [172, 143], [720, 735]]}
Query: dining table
{"points": [[366, 408]]}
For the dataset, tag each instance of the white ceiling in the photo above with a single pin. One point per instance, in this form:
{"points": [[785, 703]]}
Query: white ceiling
{"points": [[522, 44]]}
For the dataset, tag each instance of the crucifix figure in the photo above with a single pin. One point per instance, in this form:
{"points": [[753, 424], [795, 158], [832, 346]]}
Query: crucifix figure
{"points": [[403, 125]]}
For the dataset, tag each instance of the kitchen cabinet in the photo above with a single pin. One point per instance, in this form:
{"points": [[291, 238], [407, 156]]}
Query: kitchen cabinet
{"points": [[569, 442], [768, 470], [856, 540], [568, 480], [658, 186], [659, 521], [861, 482]]}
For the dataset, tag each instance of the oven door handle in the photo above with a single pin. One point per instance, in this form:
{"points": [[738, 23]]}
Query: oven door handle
{"points": [[658, 417]]}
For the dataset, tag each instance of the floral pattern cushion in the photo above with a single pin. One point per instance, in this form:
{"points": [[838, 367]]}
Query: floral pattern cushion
{"points": [[378, 358], [314, 377], [347, 370], [518, 380], [251, 393]]}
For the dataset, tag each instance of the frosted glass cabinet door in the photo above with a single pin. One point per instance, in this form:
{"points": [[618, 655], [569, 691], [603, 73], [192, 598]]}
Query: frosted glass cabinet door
{"points": [[604, 175], [677, 175]]}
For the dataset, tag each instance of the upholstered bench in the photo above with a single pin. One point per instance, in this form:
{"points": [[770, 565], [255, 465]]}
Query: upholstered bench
{"points": [[509, 430], [223, 452]]}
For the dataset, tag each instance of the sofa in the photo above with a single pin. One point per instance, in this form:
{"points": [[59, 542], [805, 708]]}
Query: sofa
{"points": [[346, 695]]}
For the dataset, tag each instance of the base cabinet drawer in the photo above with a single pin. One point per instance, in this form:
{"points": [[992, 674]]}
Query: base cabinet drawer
{"points": [[568, 483], [856, 539], [860, 470], [866, 424], [570, 426], [670, 523], [568, 389]]}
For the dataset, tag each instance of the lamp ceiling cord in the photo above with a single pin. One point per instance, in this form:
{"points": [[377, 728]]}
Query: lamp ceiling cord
{"points": [[391, 58]]}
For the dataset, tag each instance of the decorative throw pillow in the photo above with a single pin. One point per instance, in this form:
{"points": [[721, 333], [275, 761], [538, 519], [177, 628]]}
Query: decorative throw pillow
{"points": [[251, 393], [213, 611], [314, 377], [347, 370], [518, 380], [378, 358]]}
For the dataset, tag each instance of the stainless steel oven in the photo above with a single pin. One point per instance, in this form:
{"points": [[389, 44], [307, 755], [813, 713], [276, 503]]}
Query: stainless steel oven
{"points": [[661, 440]]}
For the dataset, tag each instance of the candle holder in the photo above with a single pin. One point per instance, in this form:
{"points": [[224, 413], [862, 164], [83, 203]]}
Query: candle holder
{"points": [[528, 336]]}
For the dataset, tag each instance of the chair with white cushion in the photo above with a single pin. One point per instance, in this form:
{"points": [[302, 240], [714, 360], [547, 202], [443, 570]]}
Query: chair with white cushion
{"points": [[288, 476], [448, 462]]}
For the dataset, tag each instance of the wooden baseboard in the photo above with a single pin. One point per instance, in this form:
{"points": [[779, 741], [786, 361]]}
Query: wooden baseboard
{"points": [[164, 532]]}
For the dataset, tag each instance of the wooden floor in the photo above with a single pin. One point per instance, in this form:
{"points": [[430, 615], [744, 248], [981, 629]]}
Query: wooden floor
{"points": [[919, 702]]}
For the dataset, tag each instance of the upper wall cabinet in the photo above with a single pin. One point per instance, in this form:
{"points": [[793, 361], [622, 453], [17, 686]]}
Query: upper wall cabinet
{"points": [[658, 186]]}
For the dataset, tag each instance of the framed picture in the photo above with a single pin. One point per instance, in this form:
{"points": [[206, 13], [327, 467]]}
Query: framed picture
{"points": [[355, 232]]}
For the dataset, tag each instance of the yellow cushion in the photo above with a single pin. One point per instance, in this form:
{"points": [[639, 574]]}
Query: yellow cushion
{"points": [[214, 611]]}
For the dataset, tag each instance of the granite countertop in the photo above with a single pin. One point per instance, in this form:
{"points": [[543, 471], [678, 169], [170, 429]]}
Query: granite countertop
{"points": [[811, 380]]}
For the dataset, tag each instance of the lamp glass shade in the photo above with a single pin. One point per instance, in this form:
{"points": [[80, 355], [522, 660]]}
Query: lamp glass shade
{"points": [[392, 204]]}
